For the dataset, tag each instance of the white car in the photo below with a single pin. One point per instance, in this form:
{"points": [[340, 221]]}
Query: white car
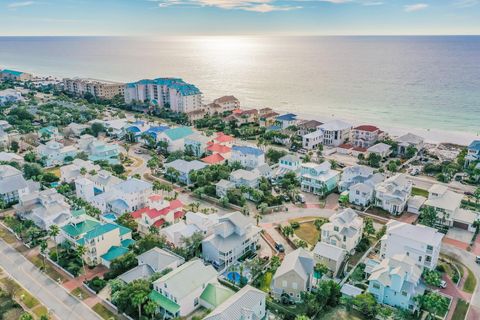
{"points": [[443, 284]]}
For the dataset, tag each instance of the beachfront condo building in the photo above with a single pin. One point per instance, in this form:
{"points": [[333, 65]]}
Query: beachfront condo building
{"points": [[98, 88], [13, 75], [174, 93]]}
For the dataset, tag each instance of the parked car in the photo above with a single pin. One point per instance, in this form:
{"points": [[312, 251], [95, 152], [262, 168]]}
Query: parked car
{"points": [[443, 284], [301, 198], [279, 247], [477, 259]]}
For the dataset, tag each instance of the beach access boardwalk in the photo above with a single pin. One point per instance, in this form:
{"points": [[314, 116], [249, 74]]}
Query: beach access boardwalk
{"points": [[59, 302]]}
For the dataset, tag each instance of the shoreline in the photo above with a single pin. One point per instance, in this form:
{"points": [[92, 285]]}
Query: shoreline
{"points": [[434, 136]]}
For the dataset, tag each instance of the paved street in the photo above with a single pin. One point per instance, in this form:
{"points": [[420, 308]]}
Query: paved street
{"points": [[48, 292], [425, 183], [468, 259]]}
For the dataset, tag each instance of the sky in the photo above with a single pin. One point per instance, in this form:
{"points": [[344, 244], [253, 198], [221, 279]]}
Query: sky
{"points": [[238, 17]]}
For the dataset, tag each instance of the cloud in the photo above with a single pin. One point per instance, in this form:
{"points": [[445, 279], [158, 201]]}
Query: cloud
{"points": [[15, 5], [465, 3], [415, 7], [246, 5]]}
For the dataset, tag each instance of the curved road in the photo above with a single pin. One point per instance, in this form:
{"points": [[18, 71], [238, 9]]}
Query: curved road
{"points": [[53, 296]]}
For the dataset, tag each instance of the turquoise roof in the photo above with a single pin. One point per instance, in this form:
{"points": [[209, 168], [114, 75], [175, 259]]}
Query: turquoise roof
{"points": [[124, 230], [99, 230], [75, 230], [178, 133], [15, 73], [114, 253]]}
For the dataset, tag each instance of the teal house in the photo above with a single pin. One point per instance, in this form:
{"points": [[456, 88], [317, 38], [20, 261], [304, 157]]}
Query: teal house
{"points": [[319, 179]]}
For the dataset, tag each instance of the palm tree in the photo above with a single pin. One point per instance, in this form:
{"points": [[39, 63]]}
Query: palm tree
{"points": [[43, 250], [137, 300], [150, 308], [81, 250], [53, 232]]}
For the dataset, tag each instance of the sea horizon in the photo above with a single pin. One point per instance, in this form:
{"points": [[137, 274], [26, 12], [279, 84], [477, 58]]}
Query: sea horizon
{"points": [[422, 83]]}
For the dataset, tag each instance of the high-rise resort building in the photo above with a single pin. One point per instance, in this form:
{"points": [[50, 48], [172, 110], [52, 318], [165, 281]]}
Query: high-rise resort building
{"points": [[15, 75], [98, 88], [173, 92]]}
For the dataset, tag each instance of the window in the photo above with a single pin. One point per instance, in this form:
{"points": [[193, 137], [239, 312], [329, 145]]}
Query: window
{"points": [[284, 284], [404, 293], [376, 286], [294, 286], [195, 302], [335, 228], [420, 259]]}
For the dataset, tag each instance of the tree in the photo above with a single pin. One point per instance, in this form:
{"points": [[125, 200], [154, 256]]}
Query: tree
{"points": [[366, 304], [368, 226], [385, 312], [320, 269], [14, 146], [138, 299], [434, 303], [128, 221], [287, 231], [374, 160], [380, 233], [53, 232], [172, 174], [392, 166], [432, 277], [428, 216], [96, 128], [303, 317], [476, 195], [150, 308], [43, 251], [26, 316], [80, 251], [30, 156], [410, 152]]}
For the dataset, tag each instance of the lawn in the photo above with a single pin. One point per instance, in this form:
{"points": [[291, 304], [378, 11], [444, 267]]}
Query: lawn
{"points": [[265, 281], [460, 310], [419, 192], [40, 311], [470, 282], [49, 269], [55, 171], [80, 293], [340, 313], [7, 236], [101, 310], [308, 232]]}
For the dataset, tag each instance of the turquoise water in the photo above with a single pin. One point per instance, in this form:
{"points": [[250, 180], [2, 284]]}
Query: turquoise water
{"points": [[416, 82]]}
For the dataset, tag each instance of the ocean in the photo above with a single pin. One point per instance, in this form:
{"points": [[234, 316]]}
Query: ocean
{"points": [[427, 82]]}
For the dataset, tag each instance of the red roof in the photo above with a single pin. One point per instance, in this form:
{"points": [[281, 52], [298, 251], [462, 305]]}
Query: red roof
{"points": [[366, 128], [214, 158], [178, 214], [159, 223], [219, 148], [138, 214], [222, 137], [175, 204], [360, 149], [345, 146], [237, 111]]}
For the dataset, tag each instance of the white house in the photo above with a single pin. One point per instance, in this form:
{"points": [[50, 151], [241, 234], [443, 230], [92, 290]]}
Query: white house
{"points": [[227, 103], [286, 164], [249, 157], [335, 132], [419, 242], [245, 178], [223, 186], [392, 194], [184, 168], [44, 208], [157, 212], [54, 153], [175, 138], [177, 293], [360, 182], [234, 236], [13, 185], [343, 230], [381, 149], [71, 172], [311, 140]]}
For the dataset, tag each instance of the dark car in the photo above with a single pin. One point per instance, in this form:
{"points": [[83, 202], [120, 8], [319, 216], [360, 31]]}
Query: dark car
{"points": [[279, 247]]}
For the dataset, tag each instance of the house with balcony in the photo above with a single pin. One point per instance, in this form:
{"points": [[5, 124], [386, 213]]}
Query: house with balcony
{"points": [[335, 132], [447, 204], [294, 276], [103, 242], [307, 126], [329, 255], [473, 152], [311, 140], [227, 103], [234, 236], [343, 230], [196, 144], [157, 212], [365, 136], [178, 293], [408, 140], [72, 172], [419, 242], [248, 157], [396, 281], [153, 261], [317, 178], [54, 153], [184, 168], [392, 195], [13, 185], [360, 181], [286, 120], [286, 164]]}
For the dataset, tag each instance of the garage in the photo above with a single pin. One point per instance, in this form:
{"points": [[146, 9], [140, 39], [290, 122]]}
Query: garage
{"points": [[460, 225]]}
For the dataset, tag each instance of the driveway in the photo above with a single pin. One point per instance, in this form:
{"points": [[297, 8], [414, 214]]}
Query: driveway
{"points": [[468, 259], [49, 293]]}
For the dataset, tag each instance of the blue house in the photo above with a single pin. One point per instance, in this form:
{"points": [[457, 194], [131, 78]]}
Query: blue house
{"points": [[287, 120], [473, 153], [317, 178], [396, 281]]}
